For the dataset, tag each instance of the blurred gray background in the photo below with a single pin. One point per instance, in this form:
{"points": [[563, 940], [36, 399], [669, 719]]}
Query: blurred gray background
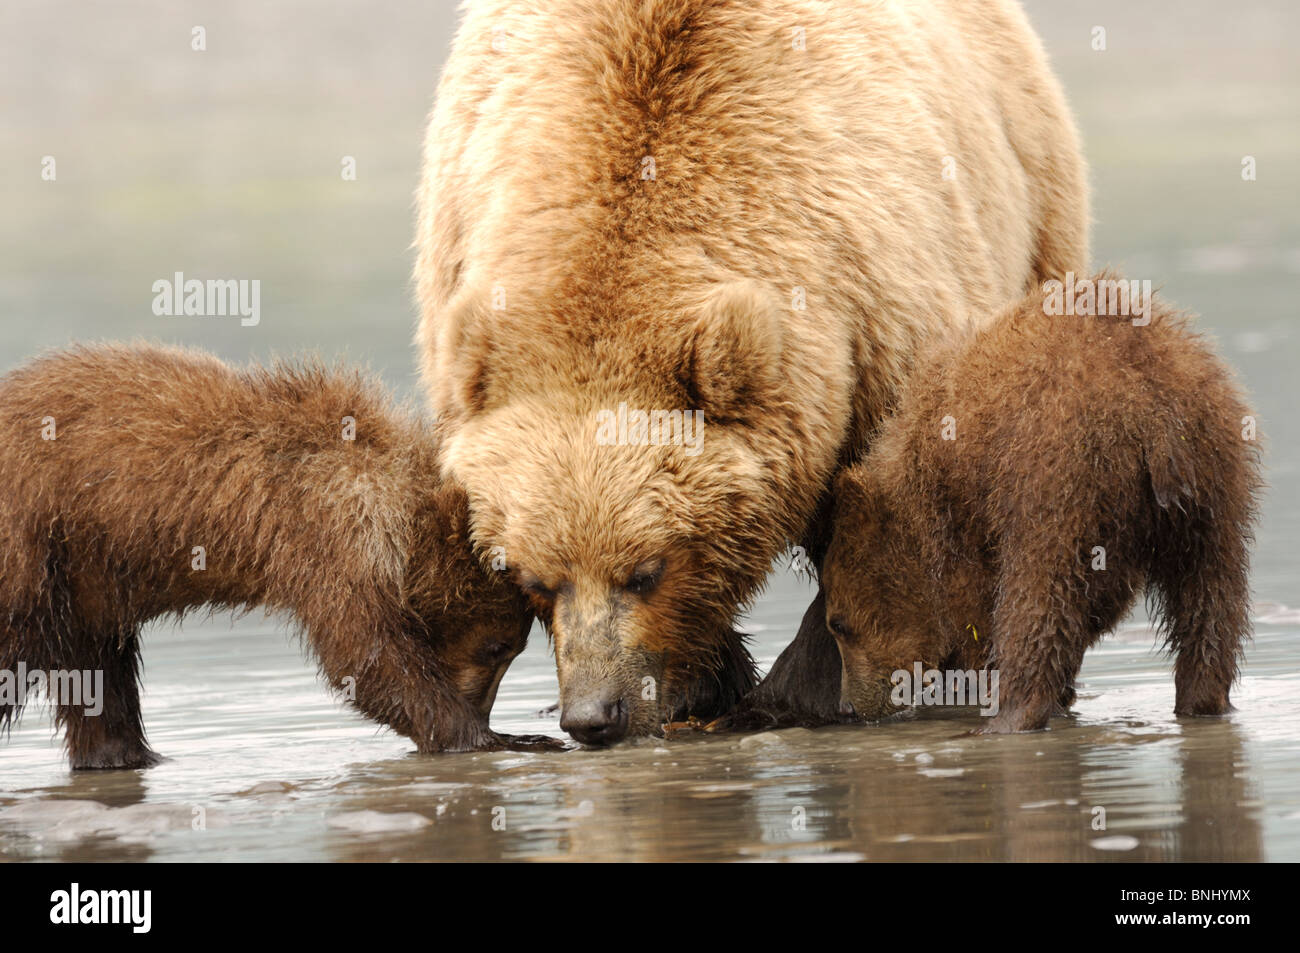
{"points": [[226, 163]]}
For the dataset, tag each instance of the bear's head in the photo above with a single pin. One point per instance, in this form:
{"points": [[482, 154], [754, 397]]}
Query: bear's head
{"points": [[475, 617], [876, 595], [627, 478]]}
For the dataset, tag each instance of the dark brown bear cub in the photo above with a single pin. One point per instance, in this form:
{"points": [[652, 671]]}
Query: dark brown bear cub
{"points": [[1037, 475], [147, 481]]}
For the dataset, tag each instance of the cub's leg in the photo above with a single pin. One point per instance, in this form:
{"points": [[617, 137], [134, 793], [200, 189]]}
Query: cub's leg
{"points": [[1041, 627], [1203, 595], [104, 727], [1037, 660], [1066, 701], [12, 639]]}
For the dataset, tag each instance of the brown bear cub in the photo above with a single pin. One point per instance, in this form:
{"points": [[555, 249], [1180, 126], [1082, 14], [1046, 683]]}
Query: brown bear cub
{"points": [[148, 481], [1036, 475]]}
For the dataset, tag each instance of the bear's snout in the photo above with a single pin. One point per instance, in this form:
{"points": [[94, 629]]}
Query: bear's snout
{"points": [[596, 719]]}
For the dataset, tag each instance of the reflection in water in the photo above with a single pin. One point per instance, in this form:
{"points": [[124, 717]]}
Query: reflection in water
{"points": [[930, 793], [1214, 771], [265, 766]]}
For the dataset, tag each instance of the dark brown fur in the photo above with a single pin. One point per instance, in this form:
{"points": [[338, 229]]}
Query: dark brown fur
{"points": [[160, 450], [1071, 433]]}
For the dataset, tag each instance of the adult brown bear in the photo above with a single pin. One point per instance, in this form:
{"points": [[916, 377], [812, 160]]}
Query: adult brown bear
{"points": [[751, 210]]}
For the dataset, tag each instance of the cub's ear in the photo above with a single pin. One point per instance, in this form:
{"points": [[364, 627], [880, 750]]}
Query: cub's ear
{"points": [[451, 511], [456, 366], [734, 353], [858, 498]]}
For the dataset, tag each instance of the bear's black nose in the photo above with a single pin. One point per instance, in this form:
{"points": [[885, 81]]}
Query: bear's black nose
{"points": [[595, 720]]}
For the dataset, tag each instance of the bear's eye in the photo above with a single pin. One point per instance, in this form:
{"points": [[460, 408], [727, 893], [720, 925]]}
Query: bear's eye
{"points": [[533, 586], [839, 627], [645, 577], [494, 652]]}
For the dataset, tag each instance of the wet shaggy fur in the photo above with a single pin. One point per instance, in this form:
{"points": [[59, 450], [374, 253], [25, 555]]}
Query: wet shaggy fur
{"points": [[1071, 433], [158, 451], [753, 208]]}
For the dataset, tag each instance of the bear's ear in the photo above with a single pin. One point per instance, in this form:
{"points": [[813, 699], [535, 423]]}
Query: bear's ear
{"points": [[461, 361], [734, 353]]}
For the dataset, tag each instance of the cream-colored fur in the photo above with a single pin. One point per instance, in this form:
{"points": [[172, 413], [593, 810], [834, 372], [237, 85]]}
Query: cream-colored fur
{"points": [[665, 202]]}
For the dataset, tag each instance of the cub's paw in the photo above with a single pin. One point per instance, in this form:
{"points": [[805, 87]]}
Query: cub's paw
{"points": [[531, 743], [1204, 708], [1011, 722], [115, 755]]}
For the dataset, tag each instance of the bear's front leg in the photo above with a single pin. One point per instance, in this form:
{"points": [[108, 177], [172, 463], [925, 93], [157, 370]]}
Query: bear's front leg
{"points": [[717, 692], [803, 688]]}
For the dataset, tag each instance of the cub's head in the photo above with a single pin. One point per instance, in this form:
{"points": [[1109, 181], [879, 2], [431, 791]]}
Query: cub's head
{"points": [[477, 619], [875, 595]]}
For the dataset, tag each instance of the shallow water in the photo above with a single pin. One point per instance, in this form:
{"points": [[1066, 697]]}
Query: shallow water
{"points": [[268, 767], [228, 166]]}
